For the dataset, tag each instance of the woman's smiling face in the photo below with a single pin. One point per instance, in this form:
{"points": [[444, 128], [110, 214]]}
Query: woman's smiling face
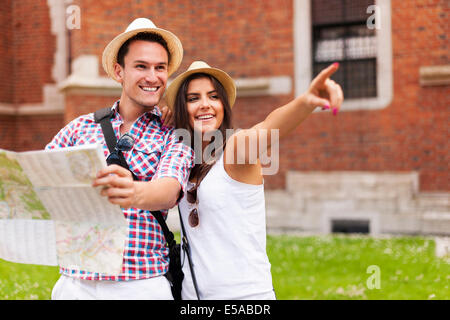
{"points": [[204, 106]]}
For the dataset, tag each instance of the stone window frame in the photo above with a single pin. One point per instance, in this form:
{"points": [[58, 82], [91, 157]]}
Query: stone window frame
{"points": [[303, 56]]}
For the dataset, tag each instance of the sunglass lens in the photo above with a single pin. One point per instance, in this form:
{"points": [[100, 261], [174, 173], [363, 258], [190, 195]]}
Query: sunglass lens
{"points": [[113, 158], [192, 195], [125, 143], [193, 218]]}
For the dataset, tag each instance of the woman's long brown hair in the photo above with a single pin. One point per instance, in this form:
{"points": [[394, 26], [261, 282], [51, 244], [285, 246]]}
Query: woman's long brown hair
{"points": [[199, 171]]}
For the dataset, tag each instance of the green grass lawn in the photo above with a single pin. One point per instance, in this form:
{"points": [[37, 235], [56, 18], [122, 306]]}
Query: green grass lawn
{"points": [[335, 267], [325, 267], [26, 281]]}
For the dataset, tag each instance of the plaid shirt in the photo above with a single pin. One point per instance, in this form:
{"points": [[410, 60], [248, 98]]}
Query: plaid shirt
{"points": [[155, 154]]}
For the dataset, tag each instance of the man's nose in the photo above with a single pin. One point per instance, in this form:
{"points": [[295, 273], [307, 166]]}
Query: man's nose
{"points": [[150, 75]]}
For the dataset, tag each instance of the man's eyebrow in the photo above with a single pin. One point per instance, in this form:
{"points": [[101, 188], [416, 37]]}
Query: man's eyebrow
{"points": [[146, 62]]}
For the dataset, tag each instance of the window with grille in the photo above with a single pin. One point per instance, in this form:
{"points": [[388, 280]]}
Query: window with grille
{"points": [[340, 34], [350, 226]]}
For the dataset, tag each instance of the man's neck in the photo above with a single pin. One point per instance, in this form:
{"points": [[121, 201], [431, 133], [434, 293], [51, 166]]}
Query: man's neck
{"points": [[130, 112]]}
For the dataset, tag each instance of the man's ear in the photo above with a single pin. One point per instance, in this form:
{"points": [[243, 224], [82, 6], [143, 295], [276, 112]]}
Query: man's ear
{"points": [[118, 72]]}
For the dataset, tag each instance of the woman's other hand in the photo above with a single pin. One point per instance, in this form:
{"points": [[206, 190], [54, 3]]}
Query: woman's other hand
{"points": [[167, 114]]}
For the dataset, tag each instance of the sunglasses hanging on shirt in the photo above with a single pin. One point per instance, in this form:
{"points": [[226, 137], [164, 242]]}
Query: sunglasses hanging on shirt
{"points": [[191, 197], [124, 144]]}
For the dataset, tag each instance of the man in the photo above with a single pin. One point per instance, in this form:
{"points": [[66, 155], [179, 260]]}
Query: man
{"points": [[141, 59]]}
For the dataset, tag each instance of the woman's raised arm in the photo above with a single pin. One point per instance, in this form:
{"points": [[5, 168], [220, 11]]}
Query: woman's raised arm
{"points": [[322, 92]]}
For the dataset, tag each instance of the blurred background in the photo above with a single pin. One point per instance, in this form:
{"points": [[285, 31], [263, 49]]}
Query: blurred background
{"points": [[381, 166]]}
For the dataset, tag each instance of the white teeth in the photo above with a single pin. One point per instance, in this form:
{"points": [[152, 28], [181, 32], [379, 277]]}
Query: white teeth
{"points": [[205, 117], [149, 89]]}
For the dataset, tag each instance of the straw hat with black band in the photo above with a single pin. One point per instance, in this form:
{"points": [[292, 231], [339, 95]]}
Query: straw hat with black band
{"points": [[109, 58], [201, 67]]}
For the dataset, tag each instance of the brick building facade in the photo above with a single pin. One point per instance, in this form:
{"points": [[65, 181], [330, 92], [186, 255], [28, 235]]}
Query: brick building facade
{"points": [[52, 73]]}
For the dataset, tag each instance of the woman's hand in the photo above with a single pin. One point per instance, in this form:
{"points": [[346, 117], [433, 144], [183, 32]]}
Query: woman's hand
{"points": [[324, 92], [167, 114], [118, 185]]}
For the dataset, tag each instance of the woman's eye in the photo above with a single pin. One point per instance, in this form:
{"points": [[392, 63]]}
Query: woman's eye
{"points": [[214, 97], [192, 99]]}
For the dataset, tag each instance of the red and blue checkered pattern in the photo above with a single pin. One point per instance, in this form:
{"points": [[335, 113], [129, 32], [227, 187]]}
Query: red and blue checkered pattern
{"points": [[155, 154]]}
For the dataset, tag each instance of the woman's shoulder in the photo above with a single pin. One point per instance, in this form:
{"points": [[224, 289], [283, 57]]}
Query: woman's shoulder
{"points": [[249, 173]]}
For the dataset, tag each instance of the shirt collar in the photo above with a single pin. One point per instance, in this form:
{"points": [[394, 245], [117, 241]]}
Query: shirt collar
{"points": [[154, 113]]}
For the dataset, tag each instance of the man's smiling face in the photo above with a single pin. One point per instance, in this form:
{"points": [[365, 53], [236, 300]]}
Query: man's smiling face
{"points": [[144, 75]]}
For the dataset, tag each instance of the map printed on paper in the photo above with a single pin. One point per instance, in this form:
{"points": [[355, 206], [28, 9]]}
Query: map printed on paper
{"points": [[18, 200], [51, 215]]}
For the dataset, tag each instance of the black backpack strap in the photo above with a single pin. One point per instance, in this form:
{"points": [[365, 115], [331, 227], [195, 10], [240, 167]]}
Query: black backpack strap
{"points": [[175, 274], [103, 113], [186, 247], [103, 116]]}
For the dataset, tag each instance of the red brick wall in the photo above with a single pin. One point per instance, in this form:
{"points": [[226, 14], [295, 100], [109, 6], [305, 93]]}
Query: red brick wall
{"points": [[6, 53], [7, 132], [409, 135], [255, 38], [216, 31], [34, 132], [34, 46], [26, 51], [21, 133], [77, 105]]}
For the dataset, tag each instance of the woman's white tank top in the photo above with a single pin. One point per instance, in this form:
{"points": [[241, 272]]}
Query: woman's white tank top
{"points": [[228, 247]]}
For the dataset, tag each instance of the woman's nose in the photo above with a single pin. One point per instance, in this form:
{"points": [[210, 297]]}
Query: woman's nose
{"points": [[204, 102]]}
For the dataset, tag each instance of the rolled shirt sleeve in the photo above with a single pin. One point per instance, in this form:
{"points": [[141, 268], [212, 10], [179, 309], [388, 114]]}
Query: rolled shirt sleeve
{"points": [[176, 161]]}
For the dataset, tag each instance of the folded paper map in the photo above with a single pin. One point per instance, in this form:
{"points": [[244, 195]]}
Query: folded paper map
{"points": [[51, 215]]}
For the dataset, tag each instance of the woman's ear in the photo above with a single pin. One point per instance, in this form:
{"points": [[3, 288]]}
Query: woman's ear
{"points": [[118, 72]]}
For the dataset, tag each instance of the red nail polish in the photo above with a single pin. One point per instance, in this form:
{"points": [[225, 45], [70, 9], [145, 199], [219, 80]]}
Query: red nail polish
{"points": [[326, 107], [335, 111], [336, 64]]}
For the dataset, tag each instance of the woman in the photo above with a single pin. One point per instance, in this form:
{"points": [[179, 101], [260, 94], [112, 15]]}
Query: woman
{"points": [[223, 212]]}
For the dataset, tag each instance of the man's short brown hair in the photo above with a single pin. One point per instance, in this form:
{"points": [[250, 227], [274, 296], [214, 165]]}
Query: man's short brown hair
{"points": [[143, 36]]}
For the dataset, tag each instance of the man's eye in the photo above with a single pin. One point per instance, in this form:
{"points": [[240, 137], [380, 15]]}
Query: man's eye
{"points": [[140, 66], [161, 68]]}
